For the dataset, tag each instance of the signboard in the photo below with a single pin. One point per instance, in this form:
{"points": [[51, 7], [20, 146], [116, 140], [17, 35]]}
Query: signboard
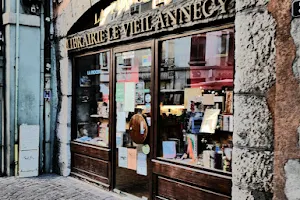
{"points": [[296, 8], [153, 22], [29, 150]]}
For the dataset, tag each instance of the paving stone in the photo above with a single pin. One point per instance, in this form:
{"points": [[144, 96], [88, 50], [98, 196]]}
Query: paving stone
{"points": [[50, 187]]}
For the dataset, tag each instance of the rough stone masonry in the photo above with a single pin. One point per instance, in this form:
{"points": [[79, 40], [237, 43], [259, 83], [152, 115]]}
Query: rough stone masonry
{"points": [[254, 78]]}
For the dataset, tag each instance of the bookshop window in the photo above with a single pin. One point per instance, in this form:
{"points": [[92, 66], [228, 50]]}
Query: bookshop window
{"points": [[196, 99], [92, 99]]}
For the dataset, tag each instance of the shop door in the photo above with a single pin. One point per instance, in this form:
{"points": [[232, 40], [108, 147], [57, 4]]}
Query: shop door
{"points": [[133, 74]]}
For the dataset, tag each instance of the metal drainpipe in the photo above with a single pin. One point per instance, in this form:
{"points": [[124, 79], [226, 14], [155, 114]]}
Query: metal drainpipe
{"points": [[16, 149], [47, 114], [2, 96], [41, 142], [53, 62], [7, 135]]}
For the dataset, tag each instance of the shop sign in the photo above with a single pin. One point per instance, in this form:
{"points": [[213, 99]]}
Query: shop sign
{"points": [[192, 12], [296, 8]]}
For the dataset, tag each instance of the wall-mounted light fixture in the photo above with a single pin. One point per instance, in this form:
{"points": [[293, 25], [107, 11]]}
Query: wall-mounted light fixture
{"points": [[32, 6]]}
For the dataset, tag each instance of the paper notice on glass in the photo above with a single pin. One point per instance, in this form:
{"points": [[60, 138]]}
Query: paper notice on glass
{"points": [[210, 121], [146, 60], [191, 94], [123, 157], [129, 97], [169, 149], [121, 122], [119, 139], [140, 93], [127, 55], [208, 99], [132, 158], [120, 92], [141, 164]]}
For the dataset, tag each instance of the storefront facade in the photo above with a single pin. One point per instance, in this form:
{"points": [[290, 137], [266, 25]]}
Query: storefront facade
{"points": [[146, 97]]}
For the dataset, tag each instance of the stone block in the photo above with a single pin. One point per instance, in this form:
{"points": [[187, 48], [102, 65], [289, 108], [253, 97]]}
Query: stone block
{"points": [[252, 170], [64, 115], [253, 123], [292, 184], [63, 133], [242, 194], [247, 4], [255, 52], [65, 76], [79, 7], [64, 159]]}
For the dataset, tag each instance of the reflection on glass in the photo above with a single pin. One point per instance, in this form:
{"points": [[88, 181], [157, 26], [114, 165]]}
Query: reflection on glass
{"points": [[92, 99], [196, 91], [133, 110]]}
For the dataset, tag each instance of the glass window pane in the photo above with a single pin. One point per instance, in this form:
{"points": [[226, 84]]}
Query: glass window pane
{"points": [[133, 101], [196, 92], [92, 99]]}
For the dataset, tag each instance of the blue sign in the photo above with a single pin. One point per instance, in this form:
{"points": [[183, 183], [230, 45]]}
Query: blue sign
{"points": [[47, 94], [296, 8]]}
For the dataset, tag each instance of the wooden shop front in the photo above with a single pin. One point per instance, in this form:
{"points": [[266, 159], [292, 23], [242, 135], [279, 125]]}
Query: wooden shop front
{"points": [[152, 113]]}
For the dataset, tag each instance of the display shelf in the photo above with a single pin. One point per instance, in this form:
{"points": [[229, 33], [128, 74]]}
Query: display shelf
{"points": [[83, 123], [98, 116], [217, 131], [187, 163], [171, 90]]}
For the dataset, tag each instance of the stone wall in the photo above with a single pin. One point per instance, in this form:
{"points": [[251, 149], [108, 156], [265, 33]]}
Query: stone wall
{"points": [[287, 109], [254, 81]]}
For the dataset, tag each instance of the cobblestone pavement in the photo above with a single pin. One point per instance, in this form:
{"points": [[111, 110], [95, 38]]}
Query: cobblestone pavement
{"points": [[50, 187]]}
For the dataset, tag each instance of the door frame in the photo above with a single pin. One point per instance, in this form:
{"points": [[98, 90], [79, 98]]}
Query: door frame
{"points": [[124, 48]]}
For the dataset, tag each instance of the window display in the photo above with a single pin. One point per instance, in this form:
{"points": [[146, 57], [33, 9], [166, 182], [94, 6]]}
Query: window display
{"points": [[92, 99], [196, 99]]}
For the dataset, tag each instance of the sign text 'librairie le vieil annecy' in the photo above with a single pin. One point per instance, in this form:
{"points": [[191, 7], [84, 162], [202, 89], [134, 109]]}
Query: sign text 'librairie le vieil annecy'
{"points": [[185, 14]]}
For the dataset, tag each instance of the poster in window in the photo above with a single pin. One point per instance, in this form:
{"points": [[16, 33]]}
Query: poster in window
{"points": [[85, 81], [210, 120], [123, 157], [140, 93], [229, 102]]}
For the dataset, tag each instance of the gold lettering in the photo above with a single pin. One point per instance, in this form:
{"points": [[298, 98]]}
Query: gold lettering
{"points": [[109, 32], [131, 28], [197, 11], [185, 14], [137, 27], [160, 24], [116, 33], [103, 36], [89, 39], [97, 19], [79, 42], [71, 43], [93, 38], [223, 6], [171, 17], [205, 8], [85, 41], [75, 42], [143, 24], [149, 26], [127, 29], [98, 36]]}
